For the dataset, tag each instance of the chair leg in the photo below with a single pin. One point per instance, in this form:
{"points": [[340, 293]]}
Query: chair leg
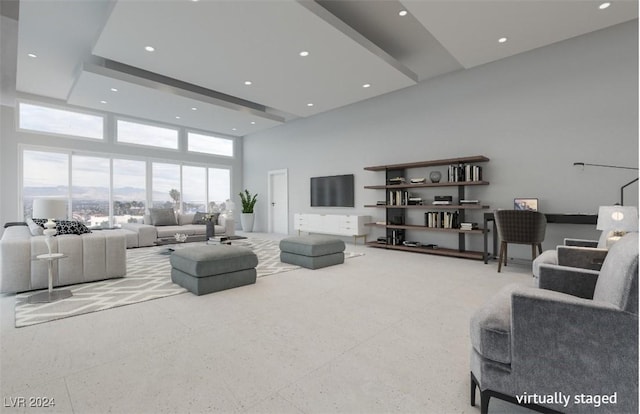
{"points": [[473, 390], [506, 252], [533, 252], [484, 401], [540, 248], [500, 256]]}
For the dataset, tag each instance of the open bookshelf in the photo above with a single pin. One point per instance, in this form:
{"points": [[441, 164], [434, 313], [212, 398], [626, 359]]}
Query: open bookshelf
{"points": [[446, 218]]}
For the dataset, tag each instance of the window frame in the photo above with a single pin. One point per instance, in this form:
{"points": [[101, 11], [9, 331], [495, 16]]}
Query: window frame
{"points": [[147, 123], [18, 118], [189, 131]]}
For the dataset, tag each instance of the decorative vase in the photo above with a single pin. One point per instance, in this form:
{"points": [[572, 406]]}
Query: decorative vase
{"points": [[435, 176], [211, 230], [246, 220]]}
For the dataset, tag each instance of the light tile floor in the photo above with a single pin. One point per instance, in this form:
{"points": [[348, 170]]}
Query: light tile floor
{"points": [[385, 332]]}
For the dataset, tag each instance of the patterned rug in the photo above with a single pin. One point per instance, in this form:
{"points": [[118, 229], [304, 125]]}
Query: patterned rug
{"points": [[148, 277]]}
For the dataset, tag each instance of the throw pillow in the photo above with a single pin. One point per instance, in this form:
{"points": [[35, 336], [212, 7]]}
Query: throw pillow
{"points": [[34, 228], [163, 217], [62, 226], [71, 227], [199, 218]]}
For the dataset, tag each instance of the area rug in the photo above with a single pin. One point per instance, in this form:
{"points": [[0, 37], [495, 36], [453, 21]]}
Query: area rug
{"points": [[148, 277]]}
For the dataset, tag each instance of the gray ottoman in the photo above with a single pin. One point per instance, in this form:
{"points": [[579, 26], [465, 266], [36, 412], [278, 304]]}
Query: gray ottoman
{"points": [[206, 269], [312, 252]]}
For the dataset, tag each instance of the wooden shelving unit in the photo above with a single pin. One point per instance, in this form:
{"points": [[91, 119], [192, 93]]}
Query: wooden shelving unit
{"points": [[395, 170]]}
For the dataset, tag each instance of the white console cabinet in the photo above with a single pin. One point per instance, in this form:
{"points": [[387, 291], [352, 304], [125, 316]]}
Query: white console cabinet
{"points": [[336, 224]]}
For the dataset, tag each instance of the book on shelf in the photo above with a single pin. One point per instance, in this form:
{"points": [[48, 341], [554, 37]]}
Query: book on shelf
{"points": [[441, 203], [468, 226], [464, 172], [441, 219], [396, 180], [469, 201]]}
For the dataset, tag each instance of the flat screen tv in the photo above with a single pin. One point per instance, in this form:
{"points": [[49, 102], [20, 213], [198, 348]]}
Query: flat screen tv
{"points": [[332, 191]]}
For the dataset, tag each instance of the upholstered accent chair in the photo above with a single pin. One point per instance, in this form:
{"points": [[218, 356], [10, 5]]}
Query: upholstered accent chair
{"points": [[520, 227], [577, 338]]}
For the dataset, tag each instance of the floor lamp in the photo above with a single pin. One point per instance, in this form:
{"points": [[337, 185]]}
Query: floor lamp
{"points": [[582, 164]]}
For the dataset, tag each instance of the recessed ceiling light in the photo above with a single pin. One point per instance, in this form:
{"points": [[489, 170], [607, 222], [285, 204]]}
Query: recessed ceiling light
{"points": [[304, 53], [604, 5], [177, 117], [253, 122], [502, 40], [149, 48], [32, 55], [194, 108], [103, 102], [366, 85], [234, 129], [403, 13], [114, 89], [310, 104], [248, 83]]}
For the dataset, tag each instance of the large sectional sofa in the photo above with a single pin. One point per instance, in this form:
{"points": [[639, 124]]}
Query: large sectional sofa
{"points": [[89, 257], [151, 234], [98, 255]]}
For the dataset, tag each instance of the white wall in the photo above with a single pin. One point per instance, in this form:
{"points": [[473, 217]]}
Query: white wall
{"points": [[533, 115], [11, 140]]}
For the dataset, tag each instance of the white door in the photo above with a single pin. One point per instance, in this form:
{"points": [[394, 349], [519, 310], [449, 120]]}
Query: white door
{"points": [[278, 202]]}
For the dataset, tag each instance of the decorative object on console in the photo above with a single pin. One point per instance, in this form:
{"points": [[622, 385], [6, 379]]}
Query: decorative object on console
{"points": [[49, 208], [582, 164], [617, 221], [248, 203], [435, 176]]}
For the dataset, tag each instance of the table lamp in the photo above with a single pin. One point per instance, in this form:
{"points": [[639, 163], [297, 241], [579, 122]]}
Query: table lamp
{"points": [[49, 208], [617, 220]]}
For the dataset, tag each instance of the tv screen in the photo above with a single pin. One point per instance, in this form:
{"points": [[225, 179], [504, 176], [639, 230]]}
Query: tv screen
{"points": [[333, 191]]}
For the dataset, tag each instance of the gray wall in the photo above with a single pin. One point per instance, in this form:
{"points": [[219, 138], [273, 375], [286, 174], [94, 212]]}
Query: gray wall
{"points": [[11, 139], [533, 115]]}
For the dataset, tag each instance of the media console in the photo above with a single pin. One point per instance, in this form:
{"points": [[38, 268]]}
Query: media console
{"points": [[334, 224]]}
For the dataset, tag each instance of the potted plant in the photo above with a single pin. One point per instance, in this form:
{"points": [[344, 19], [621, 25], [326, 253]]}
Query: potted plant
{"points": [[248, 203]]}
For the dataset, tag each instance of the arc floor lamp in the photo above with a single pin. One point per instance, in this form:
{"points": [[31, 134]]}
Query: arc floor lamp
{"points": [[582, 164]]}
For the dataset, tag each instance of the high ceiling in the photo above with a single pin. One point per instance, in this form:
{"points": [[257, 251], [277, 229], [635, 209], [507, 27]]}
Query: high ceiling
{"points": [[207, 51]]}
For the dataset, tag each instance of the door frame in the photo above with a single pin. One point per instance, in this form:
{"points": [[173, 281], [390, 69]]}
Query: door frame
{"points": [[270, 174]]}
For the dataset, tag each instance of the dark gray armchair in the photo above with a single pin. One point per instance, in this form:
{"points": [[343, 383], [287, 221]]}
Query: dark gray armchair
{"points": [[585, 254], [576, 336]]}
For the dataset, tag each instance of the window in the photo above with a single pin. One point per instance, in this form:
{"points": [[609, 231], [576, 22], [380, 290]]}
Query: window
{"points": [[43, 174], [219, 185], [142, 134], [59, 121], [209, 144], [194, 189], [90, 190], [166, 185], [129, 191]]}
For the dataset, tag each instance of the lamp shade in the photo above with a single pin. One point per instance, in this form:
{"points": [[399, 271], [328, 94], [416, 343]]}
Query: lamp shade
{"points": [[49, 208], [618, 218]]}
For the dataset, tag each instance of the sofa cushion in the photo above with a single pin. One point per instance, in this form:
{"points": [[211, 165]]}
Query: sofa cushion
{"points": [[199, 218], [618, 280], [162, 217]]}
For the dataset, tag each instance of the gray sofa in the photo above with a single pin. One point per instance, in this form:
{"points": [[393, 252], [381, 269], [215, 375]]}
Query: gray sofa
{"points": [[575, 336], [150, 234], [92, 256]]}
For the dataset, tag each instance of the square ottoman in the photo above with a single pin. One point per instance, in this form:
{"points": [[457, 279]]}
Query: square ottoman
{"points": [[206, 269], [312, 252]]}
